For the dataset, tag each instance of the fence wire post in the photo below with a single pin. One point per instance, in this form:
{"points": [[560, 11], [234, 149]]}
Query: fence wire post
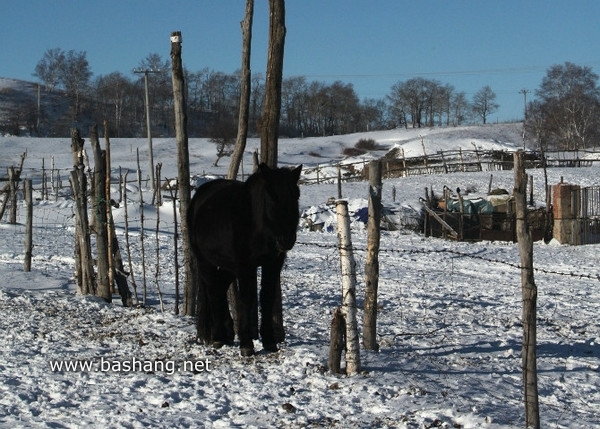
{"points": [[28, 225], [348, 268]]}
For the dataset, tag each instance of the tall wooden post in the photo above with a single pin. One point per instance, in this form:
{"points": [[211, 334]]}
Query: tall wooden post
{"points": [[245, 90], [242, 132], [101, 226], [269, 122], [13, 177], [529, 292], [84, 269], [183, 172], [108, 207], [372, 264]]}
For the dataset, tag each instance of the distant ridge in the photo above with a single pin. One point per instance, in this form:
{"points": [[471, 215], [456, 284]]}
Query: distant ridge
{"points": [[19, 107]]}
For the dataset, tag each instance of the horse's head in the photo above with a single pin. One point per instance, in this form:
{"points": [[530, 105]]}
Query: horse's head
{"points": [[279, 194]]}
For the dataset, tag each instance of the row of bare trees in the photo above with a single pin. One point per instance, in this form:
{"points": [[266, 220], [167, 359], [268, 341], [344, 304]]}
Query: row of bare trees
{"points": [[308, 108], [425, 102]]}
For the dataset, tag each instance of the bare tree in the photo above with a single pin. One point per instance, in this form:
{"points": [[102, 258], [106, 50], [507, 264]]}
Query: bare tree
{"points": [[113, 98], [75, 75], [460, 107], [484, 103], [223, 133], [269, 122], [48, 69], [567, 109], [67, 70], [420, 99], [244, 111]]}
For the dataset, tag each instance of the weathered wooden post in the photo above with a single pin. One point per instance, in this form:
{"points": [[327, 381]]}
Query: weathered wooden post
{"points": [[372, 264], [103, 288], [339, 180], [133, 283], [529, 293], [84, 269], [44, 190], [245, 92], [13, 186], [173, 193], [142, 235], [28, 225], [348, 268], [183, 172], [461, 219], [108, 207], [237, 157], [337, 342]]}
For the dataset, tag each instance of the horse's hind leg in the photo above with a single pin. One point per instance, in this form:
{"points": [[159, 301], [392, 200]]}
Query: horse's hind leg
{"points": [[271, 327], [221, 324]]}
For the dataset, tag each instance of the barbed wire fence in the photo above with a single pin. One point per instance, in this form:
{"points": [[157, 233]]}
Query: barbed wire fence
{"points": [[426, 311]]}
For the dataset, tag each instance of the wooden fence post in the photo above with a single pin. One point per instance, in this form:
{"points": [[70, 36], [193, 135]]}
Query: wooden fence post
{"points": [[125, 204], [13, 186], [84, 265], [141, 208], [103, 289], [529, 292], [339, 180], [348, 268], [183, 172], [372, 264], [28, 225], [337, 342], [173, 192]]}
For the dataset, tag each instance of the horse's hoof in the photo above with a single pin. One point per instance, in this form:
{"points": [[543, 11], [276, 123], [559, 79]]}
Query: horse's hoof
{"points": [[218, 344], [247, 351], [270, 348]]}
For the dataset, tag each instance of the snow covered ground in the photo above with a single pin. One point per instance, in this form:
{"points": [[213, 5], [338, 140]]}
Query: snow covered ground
{"points": [[449, 320]]}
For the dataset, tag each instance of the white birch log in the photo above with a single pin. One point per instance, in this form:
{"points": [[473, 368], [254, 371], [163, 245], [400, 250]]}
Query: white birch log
{"points": [[348, 268]]}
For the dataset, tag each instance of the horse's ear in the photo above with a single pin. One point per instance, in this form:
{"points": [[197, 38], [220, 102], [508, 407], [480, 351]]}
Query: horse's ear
{"points": [[296, 172], [263, 168]]}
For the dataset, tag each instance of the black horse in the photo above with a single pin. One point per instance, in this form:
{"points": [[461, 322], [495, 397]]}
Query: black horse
{"points": [[236, 227]]}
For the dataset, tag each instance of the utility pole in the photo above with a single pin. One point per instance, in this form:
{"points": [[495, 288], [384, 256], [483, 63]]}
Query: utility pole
{"points": [[524, 92], [147, 100], [39, 109]]}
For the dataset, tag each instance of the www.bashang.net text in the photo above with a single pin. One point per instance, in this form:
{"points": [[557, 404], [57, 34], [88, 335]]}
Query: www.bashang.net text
{"points": [[131, 365]]}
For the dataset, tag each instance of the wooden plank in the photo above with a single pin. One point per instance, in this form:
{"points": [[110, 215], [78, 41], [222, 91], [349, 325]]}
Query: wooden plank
{"points": [[437, 217]]}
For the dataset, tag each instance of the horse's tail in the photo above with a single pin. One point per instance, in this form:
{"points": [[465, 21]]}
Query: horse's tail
{"points": [[202, 311], [203, 324]]}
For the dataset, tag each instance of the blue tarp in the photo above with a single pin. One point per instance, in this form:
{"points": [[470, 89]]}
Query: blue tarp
{"points": [[480, 206]]}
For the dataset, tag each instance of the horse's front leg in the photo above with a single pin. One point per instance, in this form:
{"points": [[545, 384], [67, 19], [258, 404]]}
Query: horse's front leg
{"points": [[271, 327], [247, 309]]}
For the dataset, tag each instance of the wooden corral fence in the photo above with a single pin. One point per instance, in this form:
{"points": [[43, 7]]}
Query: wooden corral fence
{"points": [[588, 213], [396, 164]]}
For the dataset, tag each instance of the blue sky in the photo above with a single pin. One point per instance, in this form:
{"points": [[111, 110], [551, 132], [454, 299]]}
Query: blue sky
{"points": [[372, 44]]}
